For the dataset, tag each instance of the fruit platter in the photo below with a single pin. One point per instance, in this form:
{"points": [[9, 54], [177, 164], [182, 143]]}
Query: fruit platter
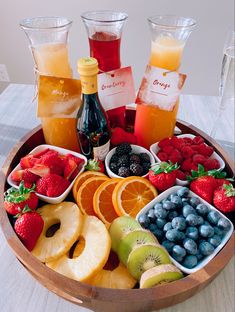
{"points": [[119, 242]]}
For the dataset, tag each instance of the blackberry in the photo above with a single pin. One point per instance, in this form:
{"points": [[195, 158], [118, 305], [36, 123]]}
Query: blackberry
{"points": [[114, 158], [114, 167], [134, 159], [124, 172], [136, 169], [124, 148], [146, 166], [123, 161], [144, 157]]}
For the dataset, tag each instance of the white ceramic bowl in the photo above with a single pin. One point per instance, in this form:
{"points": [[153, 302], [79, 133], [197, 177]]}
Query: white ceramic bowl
{"points": [[39, 148], [202, 263], [154, 150], [136, 149]]}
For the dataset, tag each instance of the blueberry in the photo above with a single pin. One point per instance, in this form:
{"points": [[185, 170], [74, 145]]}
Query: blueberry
{"points": [[181, 235], [185, 201], [158, 234], [218, 231], [206, 248], [194, 201], [213, 217], [172, 215], [190, 246], [200, 220], [183, 192], [177, 258], [206, 230], [178, 223], [192, 232], [206, 223], [160, 212], [152, 227], [168, 245], [144, 221], [178, 251], [173, 235], [171, 196], [157, 205], [223, 224], [151, 214], [202, 209], [192, 219], [187, 210], [160, 223], [167, 227], [177, 201], [215, 240], [199, 256], [168, 205], [190, 261]]}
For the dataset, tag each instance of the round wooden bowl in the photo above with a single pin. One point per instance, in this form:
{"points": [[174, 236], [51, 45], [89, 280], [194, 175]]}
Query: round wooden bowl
{"points": [[104, 299]]}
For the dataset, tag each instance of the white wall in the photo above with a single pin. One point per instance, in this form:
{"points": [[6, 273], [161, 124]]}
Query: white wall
{"points": [[203, 52]]}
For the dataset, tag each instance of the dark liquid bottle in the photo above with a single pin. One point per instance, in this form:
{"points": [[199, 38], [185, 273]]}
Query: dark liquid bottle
{"points": [[93, 125]]}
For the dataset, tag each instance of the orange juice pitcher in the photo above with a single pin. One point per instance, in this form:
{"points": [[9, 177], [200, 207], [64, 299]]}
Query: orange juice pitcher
{"points": [[48, 42], [169, 34]]}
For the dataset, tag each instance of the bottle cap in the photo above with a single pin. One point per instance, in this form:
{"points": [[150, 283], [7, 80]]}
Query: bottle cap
{"points": [[87, 66]]}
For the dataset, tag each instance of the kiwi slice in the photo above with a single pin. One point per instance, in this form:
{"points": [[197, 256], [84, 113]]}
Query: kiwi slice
{"points": [[133, 239], [144, 257], [163, 273], [119, 227]]}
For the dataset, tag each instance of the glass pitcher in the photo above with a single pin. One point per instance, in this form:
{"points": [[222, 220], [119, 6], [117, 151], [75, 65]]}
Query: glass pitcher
{"points": [[104, 29], [48, 38], [169, 34]]}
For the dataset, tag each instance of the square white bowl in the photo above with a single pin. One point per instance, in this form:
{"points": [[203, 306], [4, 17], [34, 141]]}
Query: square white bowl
{"points": [[62, 151], [136, 149], [207, 259], [154, 150]]}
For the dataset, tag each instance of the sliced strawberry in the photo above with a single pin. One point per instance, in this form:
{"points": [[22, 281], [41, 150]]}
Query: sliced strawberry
{"points": [[40, 154], [69, 168], [17, 175], [40, 170], [53, 161], [74, 174], [28, 161]]}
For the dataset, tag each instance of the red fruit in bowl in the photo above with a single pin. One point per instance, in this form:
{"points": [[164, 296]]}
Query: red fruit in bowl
{"points": [[198, 140], [164, 142], [40, 170], [199, 159], [28, 227], [70, 167], [188, 141], [187, 165], [162, 156], [205, 149], [52, 160], [163, 175], [224, 198], [181, 175], [16, 199], [28, 161], [39, 154], [177, 142], [187, 151], [175, 157], [211, 164], [52, 185], [25, 175], [168, 149]]}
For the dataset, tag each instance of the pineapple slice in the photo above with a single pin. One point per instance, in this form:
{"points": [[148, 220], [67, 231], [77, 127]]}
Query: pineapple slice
{"points": [[71, 220], [92, 255]]}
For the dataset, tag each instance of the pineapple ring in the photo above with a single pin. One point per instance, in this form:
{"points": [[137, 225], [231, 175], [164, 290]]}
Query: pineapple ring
{"points": [[71, 221], [92, 258]]}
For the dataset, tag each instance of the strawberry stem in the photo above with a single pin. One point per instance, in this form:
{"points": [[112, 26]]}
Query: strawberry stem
{"points": [[164, 167]]}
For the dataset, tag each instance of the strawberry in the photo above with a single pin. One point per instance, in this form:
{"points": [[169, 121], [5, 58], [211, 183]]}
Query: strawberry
{"points": [[199, 159], [52, 185], [211, 164], [28, 161], [95, 165], [204, 187], [224, 198], [24, 175], [175, 157], [40, 170], [70, 167], [28, 227], [40, 154], [120, 136], [198, 140], [164, 142], [162, 156], [221, 182], [16, 199], [163, 175], [52, 160]]}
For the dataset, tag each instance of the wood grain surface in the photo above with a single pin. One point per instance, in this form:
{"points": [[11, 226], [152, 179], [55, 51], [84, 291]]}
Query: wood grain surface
{"points": [[14, 278]]}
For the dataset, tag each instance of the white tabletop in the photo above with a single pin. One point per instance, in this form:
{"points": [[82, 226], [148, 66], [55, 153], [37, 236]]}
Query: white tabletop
{"points": [[19, 292]]}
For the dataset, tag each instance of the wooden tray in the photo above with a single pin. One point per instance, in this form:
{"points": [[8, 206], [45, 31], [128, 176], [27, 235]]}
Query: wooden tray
{"points": [[104, 299]]}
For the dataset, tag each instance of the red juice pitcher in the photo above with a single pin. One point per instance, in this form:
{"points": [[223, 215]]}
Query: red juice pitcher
{"points": [[104, 30]]}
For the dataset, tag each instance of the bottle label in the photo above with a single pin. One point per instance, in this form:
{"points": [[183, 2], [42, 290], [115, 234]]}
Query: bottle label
{"points": [[89, 84], [160, 88], [116, 88], [100, 152]]}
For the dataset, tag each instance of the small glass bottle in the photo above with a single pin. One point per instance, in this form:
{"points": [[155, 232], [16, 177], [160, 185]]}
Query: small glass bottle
{"points": [[93, 125]]}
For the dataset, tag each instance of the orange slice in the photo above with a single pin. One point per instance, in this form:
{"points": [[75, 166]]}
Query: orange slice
{"points": [[131, 195], [82, 178], [102, 201], [86, 192]]}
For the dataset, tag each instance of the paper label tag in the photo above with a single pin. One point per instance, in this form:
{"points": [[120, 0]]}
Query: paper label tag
{"points": [[116, 88], [160, 88], [101, 151], [58, 97]]}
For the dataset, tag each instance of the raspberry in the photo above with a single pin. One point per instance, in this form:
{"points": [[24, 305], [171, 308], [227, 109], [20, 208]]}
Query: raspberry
{"points": [[198, 140], [175, 157], [188, 141], [168, 149], [187, 151], [162, 156], [177, 142], [199, 159], [180, 175], [205, 149], [194, 147], [211, 164], [186, 165], [164, 142]]}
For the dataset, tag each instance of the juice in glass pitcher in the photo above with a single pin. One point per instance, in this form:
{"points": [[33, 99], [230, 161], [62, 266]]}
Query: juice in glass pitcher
{"points": [[48, 39], [169, 34]]}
